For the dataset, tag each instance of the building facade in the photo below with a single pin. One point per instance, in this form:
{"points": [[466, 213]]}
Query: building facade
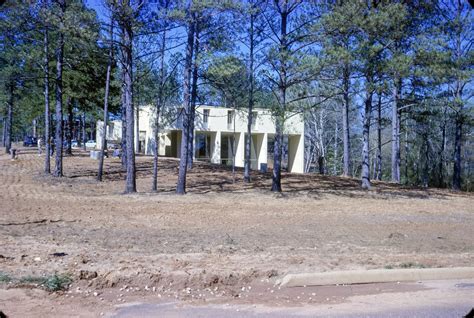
{"points": [[220, 135]]}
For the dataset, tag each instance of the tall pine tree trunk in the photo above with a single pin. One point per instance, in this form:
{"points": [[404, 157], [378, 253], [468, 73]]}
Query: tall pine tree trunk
{"points": [[396, 130], [378, 163], [335, 159], [194, 94], [137, 125], [156, 144], [127, 45], [277, 154], [70, 117], [124, 123], [106, 102], [406, 149], [136, 97], [159, 105], [365, 174], [84, 130], [441, 182], [248, 140], [9, 122], [279, 120], [154, 183], [457, 153], [47, 116], [426, 161], [183, 164], [347, 170], [58, 168], [4, 130]]}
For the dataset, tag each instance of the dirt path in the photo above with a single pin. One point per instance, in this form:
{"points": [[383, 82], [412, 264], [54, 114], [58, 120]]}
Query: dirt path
{"points": [[221, 234]]}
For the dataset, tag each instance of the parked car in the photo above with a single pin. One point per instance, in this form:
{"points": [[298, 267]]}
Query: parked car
{"points": [[91, 144], [30, 141], [74, 143]]}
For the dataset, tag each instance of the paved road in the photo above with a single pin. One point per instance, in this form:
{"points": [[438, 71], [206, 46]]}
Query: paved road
{"points": [[439, 299], [170, 311]]}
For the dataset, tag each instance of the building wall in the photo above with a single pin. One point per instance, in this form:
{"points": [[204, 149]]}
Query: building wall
{"points": [[218, 127]]}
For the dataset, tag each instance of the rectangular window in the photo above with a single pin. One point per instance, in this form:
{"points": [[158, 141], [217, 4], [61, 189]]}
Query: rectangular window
{"points": [[230, 117], [206, 116]]}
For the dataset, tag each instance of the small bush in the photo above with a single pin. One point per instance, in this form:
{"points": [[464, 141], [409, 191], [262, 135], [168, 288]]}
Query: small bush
{"points": [[5, 278], [50, 283], [57, 282]]}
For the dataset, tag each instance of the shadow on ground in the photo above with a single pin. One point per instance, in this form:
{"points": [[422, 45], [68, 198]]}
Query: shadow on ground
{"points": [[210, 178]]}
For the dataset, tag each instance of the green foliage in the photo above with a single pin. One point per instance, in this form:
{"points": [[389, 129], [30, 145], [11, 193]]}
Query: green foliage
{"points": [[228, 77], [52, 283], [5, 278], [57, 282]]}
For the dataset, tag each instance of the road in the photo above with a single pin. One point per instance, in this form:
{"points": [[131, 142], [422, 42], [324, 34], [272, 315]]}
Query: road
{"points": [[435, 299]]}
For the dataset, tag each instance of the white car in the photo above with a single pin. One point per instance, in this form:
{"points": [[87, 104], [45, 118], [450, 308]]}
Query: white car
{"points": [[91, 144]]}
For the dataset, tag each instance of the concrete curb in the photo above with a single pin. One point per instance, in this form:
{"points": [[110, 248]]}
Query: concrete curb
{"points": [[376, 276]]}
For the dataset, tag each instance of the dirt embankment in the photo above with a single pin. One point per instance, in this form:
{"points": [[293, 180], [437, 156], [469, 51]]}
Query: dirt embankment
{"points": [[221, 234]]}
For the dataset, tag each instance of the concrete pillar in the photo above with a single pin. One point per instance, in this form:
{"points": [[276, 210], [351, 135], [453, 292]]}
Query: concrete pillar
{"points": [[258, 150], [239, 149], [296, 153], [263, 151], [216, 147], [99, 131]]}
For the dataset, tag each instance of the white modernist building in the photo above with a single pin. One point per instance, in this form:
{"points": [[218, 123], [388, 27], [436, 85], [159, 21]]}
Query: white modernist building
{"points": [[219, 136]]}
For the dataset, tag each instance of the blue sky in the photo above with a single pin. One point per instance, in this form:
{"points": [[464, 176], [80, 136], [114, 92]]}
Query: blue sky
{"points": [[99, 7]]}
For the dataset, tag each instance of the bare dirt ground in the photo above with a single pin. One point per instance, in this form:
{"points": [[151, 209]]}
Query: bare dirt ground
{"points": [[219, 238]]}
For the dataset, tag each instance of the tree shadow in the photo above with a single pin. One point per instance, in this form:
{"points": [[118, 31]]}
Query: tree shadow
{"points": [[206, 178]]}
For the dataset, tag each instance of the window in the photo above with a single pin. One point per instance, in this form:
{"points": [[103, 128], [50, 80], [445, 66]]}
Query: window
{"points": [[206, 116], [230, 117]]}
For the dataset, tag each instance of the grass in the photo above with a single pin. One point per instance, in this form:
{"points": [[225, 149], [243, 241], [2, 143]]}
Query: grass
{"points": [[405, 265], [51, 283], [31, 280], [5, 278], [411, 265]]}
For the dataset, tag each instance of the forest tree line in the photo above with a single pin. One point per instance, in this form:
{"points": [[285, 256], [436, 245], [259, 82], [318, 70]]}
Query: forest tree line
{"points": [[385, 87]]}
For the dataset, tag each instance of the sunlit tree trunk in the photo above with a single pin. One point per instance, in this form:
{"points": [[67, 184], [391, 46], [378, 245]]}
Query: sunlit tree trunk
{"points": [[346, 139], [47, 116], [183, 164], [106, 102], [9, 121], [365, 173], [378, 161], [159, 105], [127, 40], [248, 140], [194, 94], [70, 117], [58, 168], [396, 131], [279, 119]]}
